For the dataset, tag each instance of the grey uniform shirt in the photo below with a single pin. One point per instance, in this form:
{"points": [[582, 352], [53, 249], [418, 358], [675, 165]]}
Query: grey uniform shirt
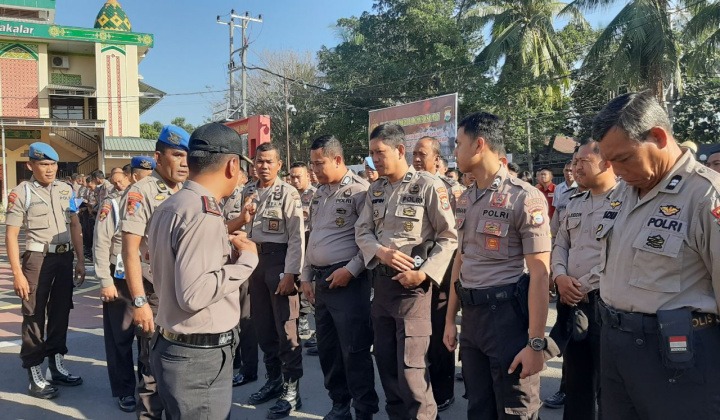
{"points": [[663, 251], [278, 219], [45, 214], [334, 211], [414, 210], [306, 198], [107, 238], [142, 198], [576, 250], [232, 206], [497, 228], [195, 279]]}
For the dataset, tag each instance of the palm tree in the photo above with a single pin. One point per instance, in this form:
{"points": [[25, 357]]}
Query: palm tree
{"points": [[524, 39], [702, 34], [643, 48]]}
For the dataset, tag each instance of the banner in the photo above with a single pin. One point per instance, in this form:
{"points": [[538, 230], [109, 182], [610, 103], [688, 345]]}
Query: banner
{"points": [[434, 117]]}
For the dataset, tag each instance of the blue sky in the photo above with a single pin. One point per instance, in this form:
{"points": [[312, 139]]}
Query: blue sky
{"points": [[191, 49]]}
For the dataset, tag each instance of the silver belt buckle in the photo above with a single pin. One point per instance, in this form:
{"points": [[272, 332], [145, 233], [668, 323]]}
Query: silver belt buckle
{"points": [[60, 249], [225, 338]]}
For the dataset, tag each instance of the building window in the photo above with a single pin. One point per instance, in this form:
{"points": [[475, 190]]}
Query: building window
{"points": [[73, 108]]}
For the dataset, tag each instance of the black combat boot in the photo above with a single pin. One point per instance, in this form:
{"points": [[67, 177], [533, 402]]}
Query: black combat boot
{"points": [[58, 375], [273, 388], [363, 415], [39, 387], [340, 411], [288, 401]]}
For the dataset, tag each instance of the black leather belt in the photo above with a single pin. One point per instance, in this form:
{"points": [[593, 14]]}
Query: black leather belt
{"points": [[271, 247], [205, 341], [638, 321], [327, 267], [474, 297]]}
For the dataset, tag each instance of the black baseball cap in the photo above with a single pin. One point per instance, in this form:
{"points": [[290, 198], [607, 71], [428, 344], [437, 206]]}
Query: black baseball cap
{"points": [[215, 138]]}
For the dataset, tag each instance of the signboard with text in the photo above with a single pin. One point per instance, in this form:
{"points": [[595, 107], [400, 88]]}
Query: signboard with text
{"points": [[434, 117]]}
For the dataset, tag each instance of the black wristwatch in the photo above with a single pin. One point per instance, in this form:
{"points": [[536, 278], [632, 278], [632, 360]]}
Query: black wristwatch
{"points": [[139, 301], [537, 343]]}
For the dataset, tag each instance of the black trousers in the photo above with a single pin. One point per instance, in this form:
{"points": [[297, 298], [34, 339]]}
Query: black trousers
{"points": [[246, 355], [441, 361], [581, 368], [119, 334], [635, 384], [344, 334], [50, 278], [149, 404], [401, 324], [275, 318], [492, 335]]}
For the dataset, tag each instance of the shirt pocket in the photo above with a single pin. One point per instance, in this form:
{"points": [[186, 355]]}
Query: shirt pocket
{"points": [[493, 240], [38, 217], [653, 249], [409, 220], [573, 222], [272, 221]]}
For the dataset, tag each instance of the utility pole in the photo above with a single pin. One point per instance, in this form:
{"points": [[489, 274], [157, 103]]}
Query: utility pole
{"points": [[244, 22], [287, 121]]}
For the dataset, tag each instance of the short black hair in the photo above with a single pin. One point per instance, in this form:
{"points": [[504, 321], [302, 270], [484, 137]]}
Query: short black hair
{"points": [[488, 126], [594, 143], [635, 113], [391, 134], [199, 163], [299, 165], [161, 147], [98, 174], [514, 167], [331, 146], [127, 169], [267, 147]]}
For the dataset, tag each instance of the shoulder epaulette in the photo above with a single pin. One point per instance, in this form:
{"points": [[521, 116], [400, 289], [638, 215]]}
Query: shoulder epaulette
{"points": [[211, 206]]}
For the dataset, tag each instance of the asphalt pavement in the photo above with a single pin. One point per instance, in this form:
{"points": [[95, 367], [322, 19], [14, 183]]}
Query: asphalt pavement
{"points": [[93, 400]]}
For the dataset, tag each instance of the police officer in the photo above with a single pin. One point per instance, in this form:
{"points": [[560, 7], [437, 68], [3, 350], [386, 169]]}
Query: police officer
{"points": [[118, 329], [575, 253], [141, 200], [197, 277], [245, 363], [141, 167], [659, 269], [563, 192], [426, 157], [275, 224], [405, 211], [342, 293], [300, 179], [43, 274], [503, 225]]}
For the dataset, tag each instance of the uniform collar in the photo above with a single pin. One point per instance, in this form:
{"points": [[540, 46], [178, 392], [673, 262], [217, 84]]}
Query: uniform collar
{"points": [[672, 182], [197, 188], [275, 182], [36, 184]]}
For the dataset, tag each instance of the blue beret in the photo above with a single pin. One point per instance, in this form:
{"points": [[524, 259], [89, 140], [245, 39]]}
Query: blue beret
{"points": [[369, 163], [142, 162], [42, 151], [174, 136]]}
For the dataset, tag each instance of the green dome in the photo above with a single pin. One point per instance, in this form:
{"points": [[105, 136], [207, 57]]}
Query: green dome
{"points": [[112, 17]]}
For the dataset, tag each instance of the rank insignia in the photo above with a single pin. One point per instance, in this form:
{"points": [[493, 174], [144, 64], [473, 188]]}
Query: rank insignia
{"points": [[104, 211], [346, 180], [409, 211], [274, 225], [378, 193], [496, 183], [277, 195], [536, 217], [655, 241], [408, 226], [498, 200], [669, 210], [408, 177], [599, 228], [347, 193], [162, 185], [674, 181], [340, 211], [340, 222], [414, 189], [615, 204], [210, 206], [159, 197], [272, 213], [492, 228], [492, 244], [64, 192]]}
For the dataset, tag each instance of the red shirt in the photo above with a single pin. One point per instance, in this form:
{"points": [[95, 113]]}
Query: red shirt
{"points": [[549, 193]]}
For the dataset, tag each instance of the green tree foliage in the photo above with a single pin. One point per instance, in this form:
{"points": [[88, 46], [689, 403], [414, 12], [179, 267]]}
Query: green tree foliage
{"points": [[152, 131]]}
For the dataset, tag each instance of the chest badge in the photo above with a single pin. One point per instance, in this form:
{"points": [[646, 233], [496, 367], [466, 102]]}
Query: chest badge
{"points": [[408, 226], [669, 210]]}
